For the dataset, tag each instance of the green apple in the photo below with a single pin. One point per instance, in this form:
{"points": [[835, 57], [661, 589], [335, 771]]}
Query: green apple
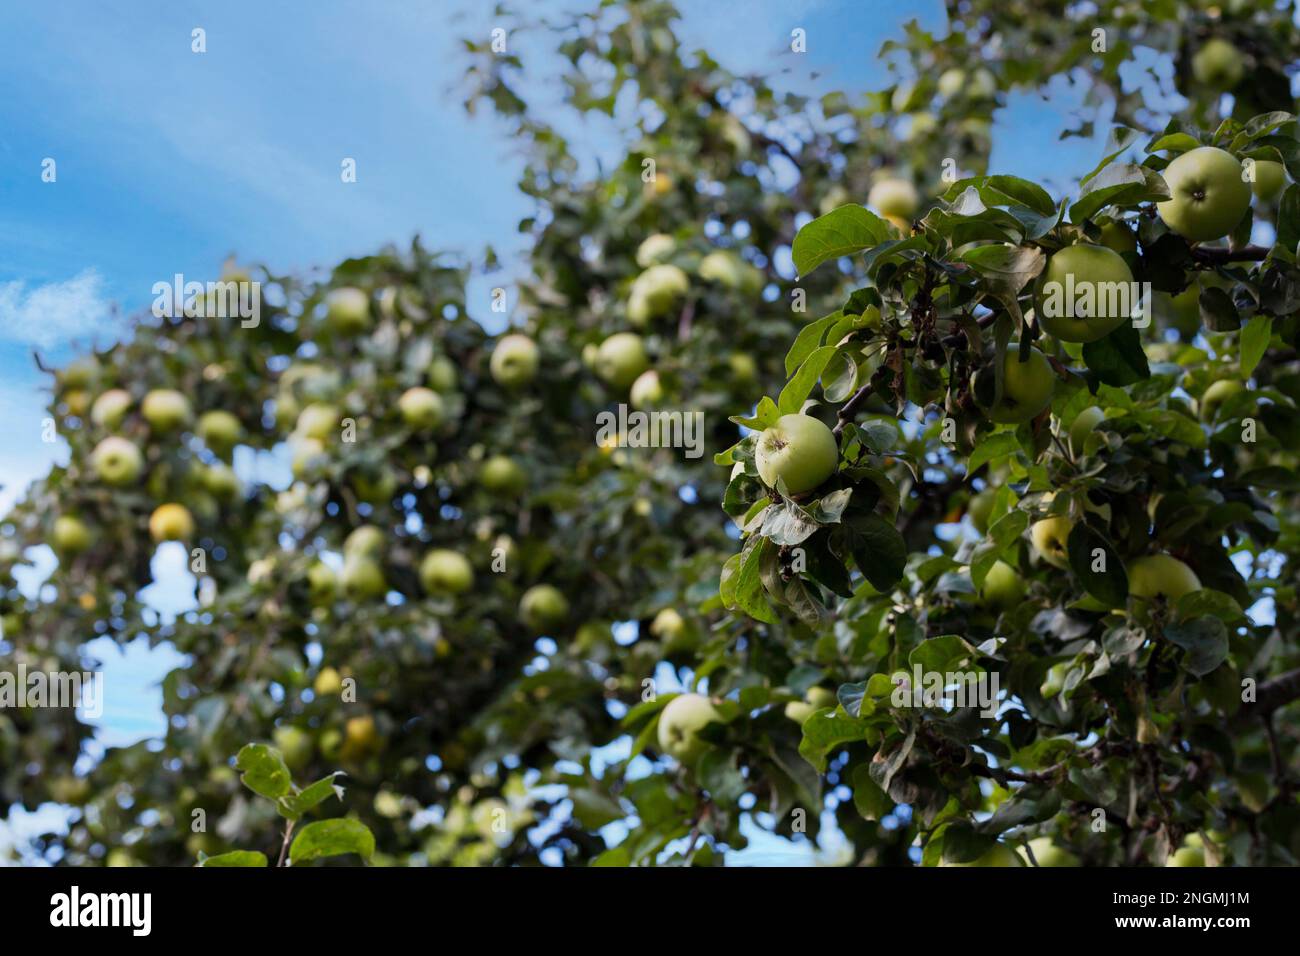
{"points": [[110, 408], [363, 578], [1118, 237], [1161, 575], [322, 585], [261, 571], [295, 745], [982, 86], [309, 455], [1084, 424], [442, 374], [816, 698], [543, 608], [799, 450], [1218, 65], [668, 625], [659, 288], [1048, 853], [347, 310], [1050, 537], [729, 270], [743, 367], [318, 421], [980, 508], [951, 82], [221, 482], [77, 402], [328, 682], [680, 724], [446, 572], [70, 535], [1191, 853], [365, 541], [219, 430], [1086, 293], [79, 373], [1270, 178], [647, 391], [1003, 587], [1208, 196], [117, 462], [894, 197], [514, 361], [166, 410], [503, 476], [922, 127], [377, 487], [1026, 387], [621, 359], [1218, 393], [421, 408], [1184, 311], [171, 522], [999, 855], [655, 249]]}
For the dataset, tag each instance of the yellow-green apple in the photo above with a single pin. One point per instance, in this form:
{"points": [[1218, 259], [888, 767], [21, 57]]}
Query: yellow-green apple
{"points": [[364, 541], [659, 288], [1084, 424], [501, 475], [219, 430], [654, 249], [318, 421], [444, 571], [1217, 65], [1086, 293], [363, 578], [70, 535], [731, 271], [1050, 537], [514, 361], [347, 310], [1118, 237], [110, 408], [1270, 177], [328, 682], [1218, 393], [1191, 853], [322, 585], [1208, 196], [951, 82], [647, 391], [295, 745], [621, 358], [421, 408], [816, 698], [309, 455], [1161, 575], [166, 410], [1047, 853], [171, 522], [1184, 310], [79, 373], [1026, 387], [221, 482], [543, 607], [680, 724], [980, 508], [442, 374], [1003, 587], [117, 461], [743, 367], [798, 450], [895, 197], [999, 855]]}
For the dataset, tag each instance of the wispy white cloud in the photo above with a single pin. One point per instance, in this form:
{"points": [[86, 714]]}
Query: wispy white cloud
{"points": [[54, 313]]}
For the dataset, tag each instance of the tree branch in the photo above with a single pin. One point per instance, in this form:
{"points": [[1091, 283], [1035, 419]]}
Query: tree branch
{"points": [[1218, 256]]}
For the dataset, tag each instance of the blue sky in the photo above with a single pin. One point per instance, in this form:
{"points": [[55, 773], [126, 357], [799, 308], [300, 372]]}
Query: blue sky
{"points": [[168, 161]]}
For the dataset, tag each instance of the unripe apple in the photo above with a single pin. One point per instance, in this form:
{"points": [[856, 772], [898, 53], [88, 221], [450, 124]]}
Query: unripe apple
{"points": [[421, 408], [1084, 424], [442, 374], [799, 450], [1218, 65], [77, 402], [309, 456], [503, 476], [364, 541], [110, 408], [660, 287], [347, 310], [360, 737], [668, 625], [647, 391], [375, 488], [70, 535], [1118, 237], [1050, 538], [171, 522], [295, 745], [318, 421], [1047, 853], [79, 373], [1003, 587], [980, 508], [729, 270], [680, 724], [922, 127], [543, 607], [322, 584], [446, 572], [655, 249], [514, 361], [261, 571], [363, 578], [219, 430], [814, 700], [1191, 853], [1270, 178], [1026, 388], [951, 82], [221, 482], [117, 462], [743, 367], [982, 86], [1093, 283], [1161, 575], [622, 357], [1218, 393], [1208, 197], [166, 410], [894, 197], [328, 683], [999, 855]]}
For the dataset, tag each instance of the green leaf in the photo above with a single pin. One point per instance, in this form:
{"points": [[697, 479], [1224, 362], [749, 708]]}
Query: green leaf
{"points": [[1126, 184], [1118, 359], [293, 806], [1288, 218], [1254, 342], [841, 232], [878, 550], [807, 341], [801, 385], [826, 730], [992, 448], [235, 858], [1110, 586], [1205, 639], [1120, 140], [264, 771], [332, 838], [749, 591], [872, 802]]}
